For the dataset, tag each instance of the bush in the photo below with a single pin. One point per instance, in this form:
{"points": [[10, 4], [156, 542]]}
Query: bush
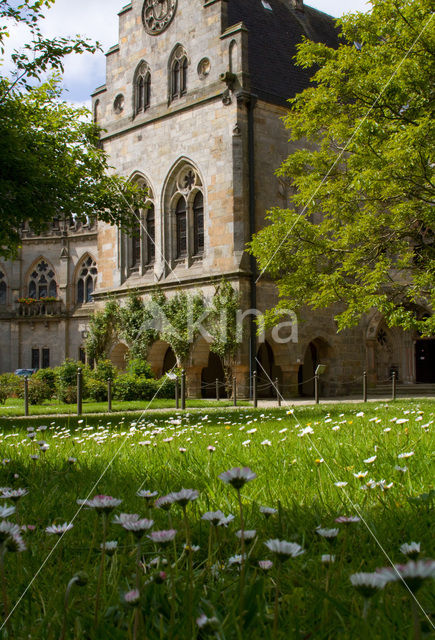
{"points": [[66, 381], [104, 370], [97, 390], [140, 368], [3, 394], [39, 390], [12, 385], [48, 376], [128, 387]]}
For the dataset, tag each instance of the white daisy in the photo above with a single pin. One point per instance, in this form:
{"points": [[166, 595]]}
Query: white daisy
{"points": [[237, 477]]}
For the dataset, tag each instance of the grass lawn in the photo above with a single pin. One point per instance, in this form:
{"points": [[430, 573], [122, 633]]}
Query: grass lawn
{"points": [[14, 407], [306, 465]]}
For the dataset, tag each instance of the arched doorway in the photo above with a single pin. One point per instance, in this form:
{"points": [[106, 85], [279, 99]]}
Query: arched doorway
{"points": [[425, 360], [118, 356], [317, 352], [267, 371], [169, 361], [214, 370]]}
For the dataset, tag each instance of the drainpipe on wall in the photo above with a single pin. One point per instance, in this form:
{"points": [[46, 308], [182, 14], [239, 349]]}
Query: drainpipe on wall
{"points": [[252, 228]]}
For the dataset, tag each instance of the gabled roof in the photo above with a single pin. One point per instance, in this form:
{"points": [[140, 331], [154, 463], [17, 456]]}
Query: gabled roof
{"points": [[273, 36]]}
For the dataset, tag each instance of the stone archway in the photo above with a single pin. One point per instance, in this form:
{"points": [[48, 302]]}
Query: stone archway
{"points": [[318, 351], [212, 372], [156, 357], [118, 356]]}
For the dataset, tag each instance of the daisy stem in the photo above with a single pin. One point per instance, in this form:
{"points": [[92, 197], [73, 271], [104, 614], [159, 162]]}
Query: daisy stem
{"points": [[101, 571], [210, 542], [4, 590], [65, 608], [276, 607], [242, 564], [366, 608], [416, 619], [189, 551]]}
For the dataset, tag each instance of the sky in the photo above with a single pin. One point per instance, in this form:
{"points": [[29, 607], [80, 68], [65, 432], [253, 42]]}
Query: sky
{"points": [[98, 20]]}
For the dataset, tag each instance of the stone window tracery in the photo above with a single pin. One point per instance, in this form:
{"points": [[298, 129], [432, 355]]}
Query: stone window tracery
{"points": [[3, 289], [178, 73], [185, 223], [87, 280], [42, 282], [142, 88], [139, 243]]}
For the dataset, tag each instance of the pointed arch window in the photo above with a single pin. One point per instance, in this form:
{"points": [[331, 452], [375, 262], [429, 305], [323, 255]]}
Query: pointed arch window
{"points": [[181, 227], [87, 281], [178, 73], [135, 243], [42, 282], [3, 289], [150, 236], [142, 88], [198, 224]]}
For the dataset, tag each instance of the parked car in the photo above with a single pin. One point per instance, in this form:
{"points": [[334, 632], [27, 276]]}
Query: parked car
{"points": [[25, 372]]}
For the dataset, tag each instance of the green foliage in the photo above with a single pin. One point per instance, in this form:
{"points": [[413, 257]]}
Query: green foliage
{"points": [[96, 389], [131, 387], [137, 326], [360, 230], [138, 367], [103, 331], [11, 385], [3, 393], [183, 314], [66, 380], [39, 390], [49, 150], [104, 370], [222, 327], [48, 376]]}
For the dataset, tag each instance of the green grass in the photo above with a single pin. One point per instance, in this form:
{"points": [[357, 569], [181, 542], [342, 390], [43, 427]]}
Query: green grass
{"points": [[14, 407], [314, 601]]}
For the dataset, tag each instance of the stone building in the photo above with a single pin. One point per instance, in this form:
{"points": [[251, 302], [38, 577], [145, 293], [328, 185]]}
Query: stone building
{"points": [[192, 105]]}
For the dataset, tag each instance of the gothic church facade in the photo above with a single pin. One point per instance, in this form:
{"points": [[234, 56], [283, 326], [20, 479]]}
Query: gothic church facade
{"points": [[192, 105]]}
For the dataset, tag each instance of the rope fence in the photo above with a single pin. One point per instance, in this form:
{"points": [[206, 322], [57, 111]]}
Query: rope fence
{"points": [[255, 388]]}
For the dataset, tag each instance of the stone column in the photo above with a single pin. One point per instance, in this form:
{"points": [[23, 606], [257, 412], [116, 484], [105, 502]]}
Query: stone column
{"points": [[371, 363], [193, 377], [241, 373], [289, 385]]}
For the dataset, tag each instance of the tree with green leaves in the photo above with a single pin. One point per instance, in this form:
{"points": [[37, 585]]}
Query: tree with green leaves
{"points": [[360, 232], [138, 325], [51, 161], [103, 331], [222, 327], [182, 315]]}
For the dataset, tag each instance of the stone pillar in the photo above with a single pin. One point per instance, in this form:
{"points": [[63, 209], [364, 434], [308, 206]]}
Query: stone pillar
{"points": [[289, 385], [372, 378], [241, 373], [193, 377]]}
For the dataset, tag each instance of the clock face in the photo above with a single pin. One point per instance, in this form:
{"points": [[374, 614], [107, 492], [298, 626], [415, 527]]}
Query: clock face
{"points": [[157, 15]]}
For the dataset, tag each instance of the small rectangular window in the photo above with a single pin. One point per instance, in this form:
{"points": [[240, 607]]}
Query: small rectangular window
{"points": [[45, 358], [35, 358]]}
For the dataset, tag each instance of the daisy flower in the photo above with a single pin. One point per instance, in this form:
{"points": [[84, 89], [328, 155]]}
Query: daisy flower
{"points": [[14, 494], [184, 496], [237, 559], [132, 597], [413, 573], [162, 537], [238, 477], [347, 519], [329, 534], [367, 584], [110, 547], [101, 503], [6, 511], [214, 517], [401, 469], [326, 558], [284, 549], [122, 518], [224, 522], [340, 485], [404, 456], [360, 474], [138, 527], [268, 511], [248, 536], [165, 502], [148, 495], [59, 529], [266, 565], [370, 460], [207, 624], [412, 550]]}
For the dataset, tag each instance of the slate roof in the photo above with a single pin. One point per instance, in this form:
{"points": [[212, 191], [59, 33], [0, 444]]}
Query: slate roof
{"points": [[273, 36]]}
